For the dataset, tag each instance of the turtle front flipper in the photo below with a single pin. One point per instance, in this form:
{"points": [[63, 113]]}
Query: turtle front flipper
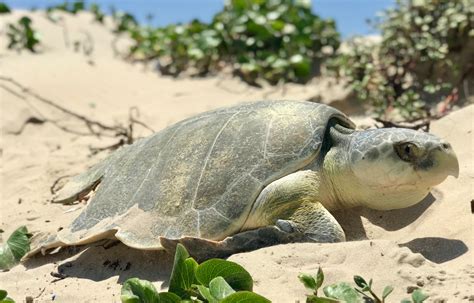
{"points": [[203, 249], [310, 223]]}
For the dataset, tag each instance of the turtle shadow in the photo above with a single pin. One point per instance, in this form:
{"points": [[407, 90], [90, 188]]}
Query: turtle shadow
{"points": [[436, 249], [396, 219], [97, 262], [391, 220]]}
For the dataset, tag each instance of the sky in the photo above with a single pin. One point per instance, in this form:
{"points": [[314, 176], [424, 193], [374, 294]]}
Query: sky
{"points": [[350, 15]]}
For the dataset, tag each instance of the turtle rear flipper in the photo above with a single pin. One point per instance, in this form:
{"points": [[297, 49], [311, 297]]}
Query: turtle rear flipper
{"points": [[82, 184], [41, 242]]}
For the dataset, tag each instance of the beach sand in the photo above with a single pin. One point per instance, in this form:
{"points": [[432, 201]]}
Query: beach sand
{"points": [[426, 246]]}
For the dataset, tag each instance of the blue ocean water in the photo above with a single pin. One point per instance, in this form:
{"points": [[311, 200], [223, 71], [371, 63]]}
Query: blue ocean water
{"points": [[350, 15]]}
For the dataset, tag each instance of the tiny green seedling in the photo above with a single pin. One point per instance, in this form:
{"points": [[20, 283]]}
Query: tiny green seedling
{"points": [[212, 281], [366, 290]]}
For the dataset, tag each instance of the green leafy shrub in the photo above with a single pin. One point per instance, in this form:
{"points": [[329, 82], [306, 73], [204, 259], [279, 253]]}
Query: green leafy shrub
{"points": [[99, 15], [72, 7], [275, 40], [279, 40], [22, 35], [123, 21], [17, 245], [424, 57], [213, 281], [4, 9]]}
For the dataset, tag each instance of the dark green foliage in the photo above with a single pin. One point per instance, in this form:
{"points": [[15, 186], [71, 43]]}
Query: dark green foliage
{"points": [[213, 281], [71, 7], [425, 55], [123, 21], [97, 12], [22, 35], [4, 9], [279, 40], [275, 40]]}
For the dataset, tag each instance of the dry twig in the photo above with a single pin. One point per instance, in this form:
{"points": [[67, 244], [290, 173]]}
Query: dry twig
{"points": [[125, 134]]}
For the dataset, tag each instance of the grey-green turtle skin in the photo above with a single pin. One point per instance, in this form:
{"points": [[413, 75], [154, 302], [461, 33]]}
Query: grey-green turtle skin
{"points": [[250, 176]]}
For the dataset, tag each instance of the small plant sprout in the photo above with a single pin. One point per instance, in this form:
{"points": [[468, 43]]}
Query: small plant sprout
{"points": [[344, 292], [365, 287], [313, 282]]}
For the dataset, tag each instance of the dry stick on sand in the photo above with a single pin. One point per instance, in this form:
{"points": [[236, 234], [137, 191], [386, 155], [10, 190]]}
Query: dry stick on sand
{"points": [[95, 128], [424, 123]]}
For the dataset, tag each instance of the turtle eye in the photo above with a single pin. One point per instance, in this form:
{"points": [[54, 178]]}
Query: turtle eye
{"points": [[407, 151]]}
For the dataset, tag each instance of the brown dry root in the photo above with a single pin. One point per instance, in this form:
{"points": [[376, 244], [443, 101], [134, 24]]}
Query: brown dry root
{"points": [[123, 132], [421, 123]]}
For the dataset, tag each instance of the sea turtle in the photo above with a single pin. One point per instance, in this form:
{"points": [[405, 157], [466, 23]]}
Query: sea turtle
{"points": [[248, 176]]}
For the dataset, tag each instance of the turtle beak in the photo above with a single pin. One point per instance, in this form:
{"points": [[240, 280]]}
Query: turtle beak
{"points": [[439, 163], [453, 164], [448, 160]]}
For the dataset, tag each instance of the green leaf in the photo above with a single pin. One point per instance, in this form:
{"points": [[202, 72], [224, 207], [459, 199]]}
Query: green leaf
{"points": [[418, 296], [183, 275], [168, 297], [206, 294], [234, 274], [17, 245], [7, 300], [308, 281], [319, 278], [342, 291], [3, 294], [245, 297], [135, 290], [359, 281], [386, 291], [219, 288], [316, 299]]}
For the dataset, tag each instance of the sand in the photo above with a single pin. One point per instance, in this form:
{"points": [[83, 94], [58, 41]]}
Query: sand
{"points": [[426, 246]]}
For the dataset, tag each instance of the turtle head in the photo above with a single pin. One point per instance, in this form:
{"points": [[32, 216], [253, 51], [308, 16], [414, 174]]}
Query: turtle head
{"points": [[395, 168]]}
